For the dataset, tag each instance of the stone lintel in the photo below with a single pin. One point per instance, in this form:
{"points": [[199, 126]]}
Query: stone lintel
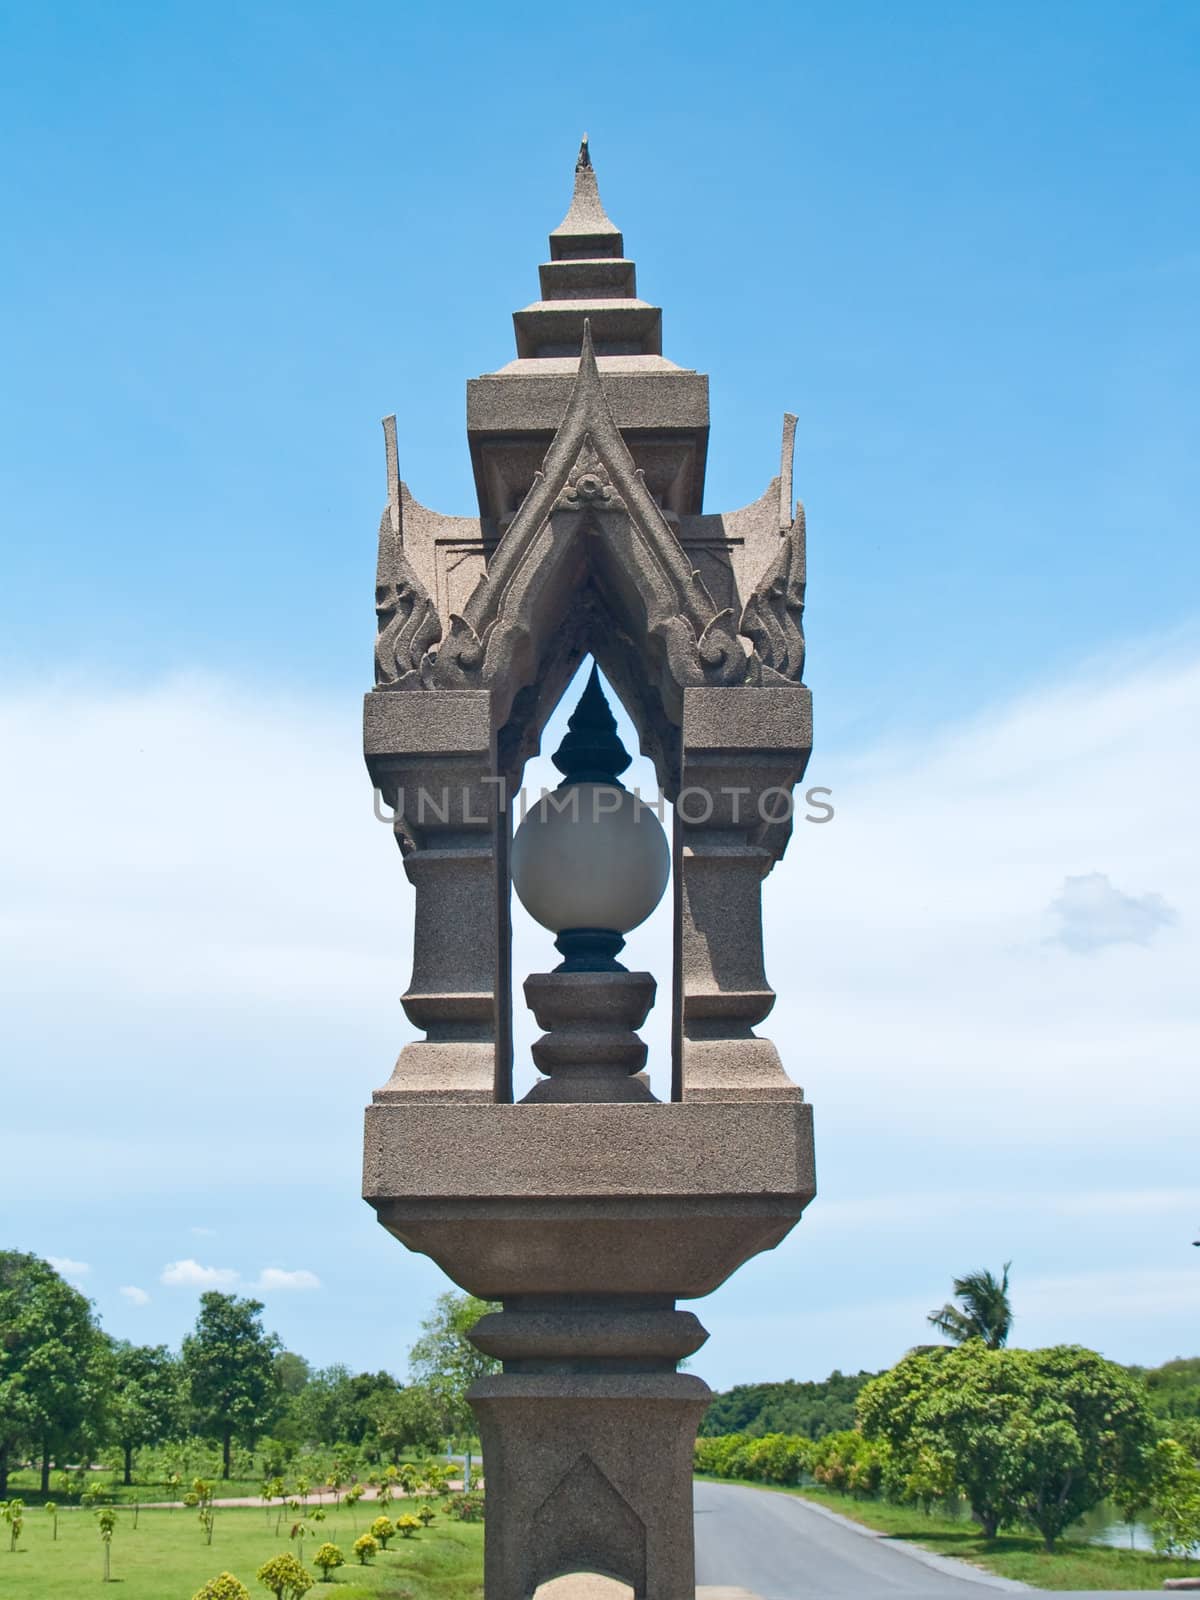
{"points": [[761, 721], [714, 1149], [417, 722], [657, 402]]}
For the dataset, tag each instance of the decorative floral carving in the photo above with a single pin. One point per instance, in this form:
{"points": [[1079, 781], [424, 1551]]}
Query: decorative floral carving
{"points": [[588, 482], [773, 616], [409, 625]]}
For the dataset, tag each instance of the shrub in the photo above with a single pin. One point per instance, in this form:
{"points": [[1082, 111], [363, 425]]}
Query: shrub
{"points": [[466, 1507], [366, 1548], [383, 1528], [284, 1576], [223, 1587], [327, 1557], [426, 1515], [407, 1525], [848, 1464]]}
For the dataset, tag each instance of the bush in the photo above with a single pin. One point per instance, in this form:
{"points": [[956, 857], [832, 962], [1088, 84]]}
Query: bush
{"points": [[775, 1458], [407, 1525], [223, 1587], [848, 1464], [366, 1548], [327, 1557], [466, 1507], [383, 1528], [284, 1576]]}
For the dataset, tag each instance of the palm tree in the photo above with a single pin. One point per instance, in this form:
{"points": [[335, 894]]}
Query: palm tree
{"points": [[985, 1312]]}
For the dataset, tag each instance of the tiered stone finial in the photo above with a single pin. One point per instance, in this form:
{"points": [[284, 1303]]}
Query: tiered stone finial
{"points": [[591, 750], [660, 407], [588, 276]]}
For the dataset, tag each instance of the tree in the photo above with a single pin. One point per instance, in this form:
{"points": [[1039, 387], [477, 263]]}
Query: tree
{"points": [[106, 1520], [446, 1363], [955, 1406], [1038, 1435], [223, 1587], [285, 1576], [407, 1419], [1175, 1523], [1089, 1433], [52, 1363], [229, 1365], [366, 1548], [985, 1312], [328, 1556], [144, 1398]]}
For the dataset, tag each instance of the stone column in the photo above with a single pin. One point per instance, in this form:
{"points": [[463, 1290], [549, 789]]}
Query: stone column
{"points": [[431, 754], [588, 1436], [743, 751]]}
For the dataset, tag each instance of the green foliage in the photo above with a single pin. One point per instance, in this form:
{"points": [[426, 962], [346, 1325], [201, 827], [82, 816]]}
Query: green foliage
{"points": [[229, 1365], [407, 1419], [775, 1458], [223, 1587], [1035, 1435], [327, 1556], [407, 1525], [467, 1507], [808, 1409], [54, 1364], [1175, 1500], [51, 1511], [143, 1401], [446, 1363], [285, 1577], [13, 1514], [366, 1548], [849, 1464], [383, 1529], [985, 1312]]}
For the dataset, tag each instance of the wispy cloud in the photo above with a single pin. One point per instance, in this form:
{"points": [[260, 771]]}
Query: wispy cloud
{"points": [[276, 1278], [191, 1275], [204, 1233], [134, 1295], [1092, 913], [69, 1268]]}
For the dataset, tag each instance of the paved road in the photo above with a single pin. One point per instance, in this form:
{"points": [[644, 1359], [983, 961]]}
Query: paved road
{"points": [[783, 1548]]}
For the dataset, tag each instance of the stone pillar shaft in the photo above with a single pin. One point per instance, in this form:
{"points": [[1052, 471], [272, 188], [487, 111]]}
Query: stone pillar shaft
{"points": [[432, 758], [742, 756]]}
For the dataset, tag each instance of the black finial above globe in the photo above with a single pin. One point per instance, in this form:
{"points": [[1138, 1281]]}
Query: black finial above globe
{"points": [[591, 752]]}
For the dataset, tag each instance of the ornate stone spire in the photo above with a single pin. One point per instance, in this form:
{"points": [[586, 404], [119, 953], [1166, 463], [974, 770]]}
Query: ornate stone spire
{"points": [[588, 276], [661, 408]]}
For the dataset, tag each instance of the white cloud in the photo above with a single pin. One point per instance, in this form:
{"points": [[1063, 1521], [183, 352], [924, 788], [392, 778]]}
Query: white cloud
{"points": [[276, 1278], [1093, 913], [68, 1268], [191, 1275], [204, 1233], [134, 1295]]}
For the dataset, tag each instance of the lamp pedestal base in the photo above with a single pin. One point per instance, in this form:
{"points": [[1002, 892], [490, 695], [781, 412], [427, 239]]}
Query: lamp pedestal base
{"points": [[590, 1050]]}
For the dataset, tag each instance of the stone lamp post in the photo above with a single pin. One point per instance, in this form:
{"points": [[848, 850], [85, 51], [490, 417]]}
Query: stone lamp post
{"points": [[589, 1208]]}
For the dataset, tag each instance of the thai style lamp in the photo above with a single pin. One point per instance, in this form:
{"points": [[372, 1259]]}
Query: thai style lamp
{"points": [[590, 862], [589, 1208]]}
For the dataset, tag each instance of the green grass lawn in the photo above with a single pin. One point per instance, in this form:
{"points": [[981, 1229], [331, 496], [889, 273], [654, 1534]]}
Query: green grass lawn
{"points": [[166, 1557], [1012, 1555]]}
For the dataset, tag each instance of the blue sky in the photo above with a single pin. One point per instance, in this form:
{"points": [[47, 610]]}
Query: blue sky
{"points": [[961, 243]]}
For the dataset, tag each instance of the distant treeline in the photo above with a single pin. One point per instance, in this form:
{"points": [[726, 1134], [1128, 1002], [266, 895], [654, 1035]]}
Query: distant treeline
{"points": [[810, 1409], [814, 1410]]}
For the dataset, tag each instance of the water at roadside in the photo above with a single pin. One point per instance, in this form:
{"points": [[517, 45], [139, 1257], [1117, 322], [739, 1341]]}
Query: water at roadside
{"points": [[1105, 1525]]}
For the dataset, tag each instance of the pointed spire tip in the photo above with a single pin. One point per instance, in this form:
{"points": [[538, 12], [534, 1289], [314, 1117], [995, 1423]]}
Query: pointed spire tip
{"points": [[583, 159]]}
